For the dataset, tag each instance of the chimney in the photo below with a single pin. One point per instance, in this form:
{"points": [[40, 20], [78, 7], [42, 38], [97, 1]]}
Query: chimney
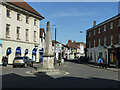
{"points": [[69, 41], [74, 41], [94, 23]]}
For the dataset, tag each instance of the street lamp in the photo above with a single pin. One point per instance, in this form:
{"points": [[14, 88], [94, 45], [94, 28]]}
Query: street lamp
{"points": [[55, 44]]}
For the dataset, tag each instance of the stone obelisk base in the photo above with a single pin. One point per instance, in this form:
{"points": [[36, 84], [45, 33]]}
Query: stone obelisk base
{"points": [[48, 62]]}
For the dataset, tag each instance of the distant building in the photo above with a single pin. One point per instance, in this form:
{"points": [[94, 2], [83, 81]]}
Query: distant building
{"points": [[19, 30], [77, 49], [103, 40]]}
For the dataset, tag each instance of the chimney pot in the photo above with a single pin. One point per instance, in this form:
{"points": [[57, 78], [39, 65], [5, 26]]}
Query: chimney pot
{"points": [[94, 23]]}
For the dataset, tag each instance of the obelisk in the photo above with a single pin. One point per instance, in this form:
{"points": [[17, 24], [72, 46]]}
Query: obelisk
{"points": [[48, 56]]}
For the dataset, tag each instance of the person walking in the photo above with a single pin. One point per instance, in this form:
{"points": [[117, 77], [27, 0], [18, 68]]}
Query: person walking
{"points": [[100, 62], [4, 60]]}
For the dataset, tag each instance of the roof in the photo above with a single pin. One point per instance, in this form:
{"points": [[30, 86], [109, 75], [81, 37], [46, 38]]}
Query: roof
{"points": [[103, 22], [25, 6], [42, 31], [53, 42]]}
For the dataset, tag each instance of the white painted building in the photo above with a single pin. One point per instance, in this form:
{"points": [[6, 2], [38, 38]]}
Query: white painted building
{"points": [[19, 30]]}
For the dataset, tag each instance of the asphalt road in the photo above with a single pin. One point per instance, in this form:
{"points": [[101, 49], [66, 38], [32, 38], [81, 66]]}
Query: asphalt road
{"points": [[81, 76]]}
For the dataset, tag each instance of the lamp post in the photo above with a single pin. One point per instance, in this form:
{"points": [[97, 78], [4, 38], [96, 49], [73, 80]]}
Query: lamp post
{"points": [[55, 44]]}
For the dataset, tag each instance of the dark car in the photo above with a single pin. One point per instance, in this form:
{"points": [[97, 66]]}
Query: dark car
{"points": [[22, 61]]}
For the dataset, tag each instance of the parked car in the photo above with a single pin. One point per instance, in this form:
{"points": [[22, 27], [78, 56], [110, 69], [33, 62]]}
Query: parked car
{"points": [[22, 61]]}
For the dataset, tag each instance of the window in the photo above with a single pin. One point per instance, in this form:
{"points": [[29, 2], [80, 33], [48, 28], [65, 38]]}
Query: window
{"points": [[7, 31], [111, 39], [89, 34], [94, 31], [94, 43], [104, 41], [8, 13], [18, 17], [89, 45], [27, 19], [104, 27], [18, 32], [99, 30], [118, 22], [35, 22], [98, 41], [27, 33], [111, 25], [35, 36], [119, 38]]}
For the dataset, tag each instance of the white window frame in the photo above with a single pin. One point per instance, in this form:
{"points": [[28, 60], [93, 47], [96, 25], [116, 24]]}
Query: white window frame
{"points": [[19, 19], [35, 22], [118, 22], [99, 41], [27, 34], [111, 39], [104, 41], [94, 43], [18, 33], [8, 11], [94, 31], [104, 27], [111, 25], [89, 33], [119, 37], [99, 30], [7, 30], [27, 19], [35, 36]]}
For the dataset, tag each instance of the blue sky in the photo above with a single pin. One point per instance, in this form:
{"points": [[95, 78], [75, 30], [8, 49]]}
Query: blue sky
{"points": [[72, 17]]}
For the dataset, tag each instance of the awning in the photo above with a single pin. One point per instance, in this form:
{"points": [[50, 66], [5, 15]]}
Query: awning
{"points": [[18, 50], [34, 51]]}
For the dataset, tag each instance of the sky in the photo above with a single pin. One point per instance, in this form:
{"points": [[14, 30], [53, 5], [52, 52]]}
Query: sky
{"points": [[72, 17]]}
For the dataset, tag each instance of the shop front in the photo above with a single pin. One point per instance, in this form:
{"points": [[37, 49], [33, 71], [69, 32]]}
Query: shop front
{"points": [[114, 57], [41, 55]]}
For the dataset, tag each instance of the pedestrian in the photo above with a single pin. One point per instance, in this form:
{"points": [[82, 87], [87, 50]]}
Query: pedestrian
{"points": [[100, 62], [4, 60]]}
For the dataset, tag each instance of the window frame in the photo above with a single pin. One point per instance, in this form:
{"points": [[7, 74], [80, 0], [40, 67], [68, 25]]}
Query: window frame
{"points": [[8, 11], [104, 28], [111, 25], [18, 33], [7, 30]]}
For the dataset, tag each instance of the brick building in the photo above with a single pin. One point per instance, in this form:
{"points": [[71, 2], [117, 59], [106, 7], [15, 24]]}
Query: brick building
{"points": [[103, 40]]}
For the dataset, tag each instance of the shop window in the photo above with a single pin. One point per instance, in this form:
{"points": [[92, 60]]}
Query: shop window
{"points": [[91, 58], [100, 54]]}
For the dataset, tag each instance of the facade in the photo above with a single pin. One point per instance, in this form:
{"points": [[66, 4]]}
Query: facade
{"points": [[19, 30], [103, 40], [42, 43]]}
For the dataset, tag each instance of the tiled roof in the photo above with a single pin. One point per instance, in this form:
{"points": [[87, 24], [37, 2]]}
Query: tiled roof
{"points": [[25, 6], [42, 32]]}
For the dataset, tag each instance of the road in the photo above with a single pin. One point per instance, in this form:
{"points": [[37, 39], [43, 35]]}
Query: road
{"points": [[81, 76]]}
